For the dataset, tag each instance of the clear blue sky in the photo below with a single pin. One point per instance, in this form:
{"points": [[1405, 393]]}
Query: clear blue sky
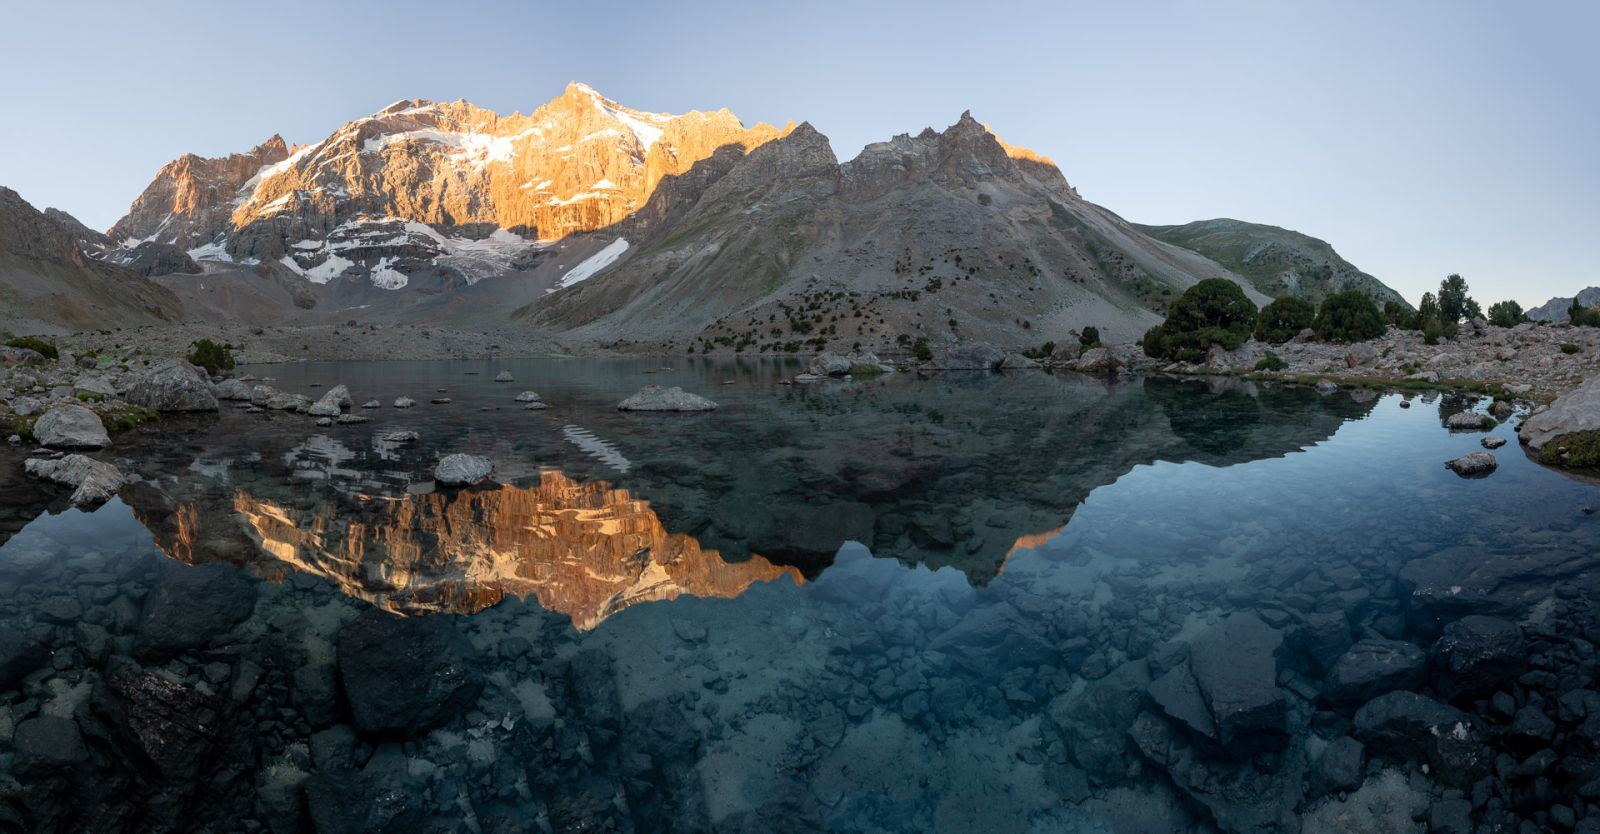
{"points": [[1419, 138]]}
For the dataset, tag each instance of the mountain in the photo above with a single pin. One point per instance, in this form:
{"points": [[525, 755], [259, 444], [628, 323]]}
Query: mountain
{"points": [[944, 236], [48, 282], [615, 227], [422, 186], [1275, 261], [1555, 310]]}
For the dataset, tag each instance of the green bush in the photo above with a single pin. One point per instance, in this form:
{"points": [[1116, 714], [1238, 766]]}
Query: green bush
{"points": [[1349, 316], [1582, 316], [1044, 351], [1090, 337], [1431, 331], [1401, 316], [213, 357], [1214, 311], [921, 349], [1271, 362], [1454, 303], [44, 346], [1569, 348], [1506, 314], [1283, 319]]}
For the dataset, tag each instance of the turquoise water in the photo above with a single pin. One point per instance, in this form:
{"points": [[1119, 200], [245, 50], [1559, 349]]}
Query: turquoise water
{"points": [[898, 604]]}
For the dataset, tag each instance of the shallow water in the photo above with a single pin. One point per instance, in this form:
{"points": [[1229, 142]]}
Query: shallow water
{"points": [[898, 604]]}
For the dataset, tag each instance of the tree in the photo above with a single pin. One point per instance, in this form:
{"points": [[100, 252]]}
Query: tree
{"points": [[1401, 316], [1349, 316], [1283, 319], [1214, 311], [1506, 314], [213, 357], [1454, 303], [1090, 337], [1582, 316]]}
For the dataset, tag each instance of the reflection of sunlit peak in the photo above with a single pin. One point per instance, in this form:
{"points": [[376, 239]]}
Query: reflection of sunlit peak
{"points": [[586, 549]]}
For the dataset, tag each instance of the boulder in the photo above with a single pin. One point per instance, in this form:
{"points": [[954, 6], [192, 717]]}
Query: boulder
{"points": [[1477, 655], [829, 364], [70, 426], [528, 397], [22, 356], [460, 470], [47, 745], [1493, 442], [94, 385], [234, 389], [1360, 355], [335, 401], [976, 356], [1338, 768], [406, 675], [1575, 411], [1411, 727], [1098, 360], [21, 652], [1473, 464], [173, 385], [1326, 386], [535, 406], [1372, 667], [503, 376], [1241, 358], [172, 723], [1018, 362], [1465, 421], [1235, 666], [93, 481], [372, 404], [1178, 696], [192, 606], [404, 402], [657, 398]]}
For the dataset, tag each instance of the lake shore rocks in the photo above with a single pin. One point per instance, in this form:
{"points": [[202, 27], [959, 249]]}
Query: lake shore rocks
{"points": [[72, 428], [94, 482], [173, 385], [332, 403]]}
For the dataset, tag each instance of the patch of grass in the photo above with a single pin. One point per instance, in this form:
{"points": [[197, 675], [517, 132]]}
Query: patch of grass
{"points": [[123, 417], [44, 346], [91, 397], [865, 369], [1570, 348], [14, 424], [1272, 363], [1579, 449]]}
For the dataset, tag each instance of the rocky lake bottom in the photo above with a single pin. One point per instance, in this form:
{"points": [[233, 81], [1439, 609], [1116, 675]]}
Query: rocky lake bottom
{"points": [[965, 602]]}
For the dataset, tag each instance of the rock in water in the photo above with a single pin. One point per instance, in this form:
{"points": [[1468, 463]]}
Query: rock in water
{"points": [[527, 397], [1235, 665], [406, 675], [978, 356], [1098, 360], [173, 385], [1412, 727], [71, 426], [336, 400], [193, 605], [404, 402], [1477, 655], [1018, 362], [399, 436], [1493, 442], [829, 364], [234, 389], [1373, 667], [372, 404], [1473, 465], [94, 481], [47, 744], [1465, 421], [461, 470], [1575, 413], [657, 398], [503, 376]]}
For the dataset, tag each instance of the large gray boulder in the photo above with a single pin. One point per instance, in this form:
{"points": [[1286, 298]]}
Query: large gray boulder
{"points": [[1018, 362], [1473, 464], [70, 426], [1098, 360], [234, 390], [460, 470], [829, 364], [657, 398], [93, 481], [332, 403], [1577, 410], [976, 356], [173, 385]]}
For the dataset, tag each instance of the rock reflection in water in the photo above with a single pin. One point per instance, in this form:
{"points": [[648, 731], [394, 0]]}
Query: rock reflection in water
{"points": [[587, 550]]}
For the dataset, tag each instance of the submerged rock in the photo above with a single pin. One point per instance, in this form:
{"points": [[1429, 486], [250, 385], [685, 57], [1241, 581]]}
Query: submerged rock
{"points": [[406, 675], [1493, 442], [1476, 655], [1473, 464], [462, 470], [234, 389], [70, 426], [173, 385], [48, 744], [1235, 666], [193, 605], [1373, 667], [657, 398], [93, 481], [1411, 727]]}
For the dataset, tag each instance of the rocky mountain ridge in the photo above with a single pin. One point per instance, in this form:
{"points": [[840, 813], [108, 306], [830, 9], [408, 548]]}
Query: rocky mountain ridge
{"points": [[1555, 310]]}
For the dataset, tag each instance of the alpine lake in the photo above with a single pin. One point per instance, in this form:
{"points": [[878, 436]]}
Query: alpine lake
{"points": [[964, 602]]}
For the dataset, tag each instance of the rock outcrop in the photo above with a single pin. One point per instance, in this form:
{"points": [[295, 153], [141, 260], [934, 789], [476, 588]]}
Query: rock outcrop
{"points": [[70, 427], [658, 398], [173, 385], [93, 481]]}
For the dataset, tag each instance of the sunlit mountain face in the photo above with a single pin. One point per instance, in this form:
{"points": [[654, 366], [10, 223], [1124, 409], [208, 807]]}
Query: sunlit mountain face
{"points": [[587, 550]]}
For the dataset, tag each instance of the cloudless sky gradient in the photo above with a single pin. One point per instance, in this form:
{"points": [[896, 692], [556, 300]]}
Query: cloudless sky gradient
{"points": [[1419, 138]]}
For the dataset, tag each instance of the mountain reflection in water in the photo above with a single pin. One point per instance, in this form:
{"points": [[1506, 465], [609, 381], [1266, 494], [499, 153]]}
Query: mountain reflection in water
{"points": [[588, 550]]}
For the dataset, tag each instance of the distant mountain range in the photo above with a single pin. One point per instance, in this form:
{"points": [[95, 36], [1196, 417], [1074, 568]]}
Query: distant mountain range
{"points": [[620, 227]]}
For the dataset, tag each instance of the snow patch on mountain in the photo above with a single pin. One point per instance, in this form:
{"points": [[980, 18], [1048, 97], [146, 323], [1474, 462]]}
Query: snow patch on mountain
{"points": [[594, 263]]}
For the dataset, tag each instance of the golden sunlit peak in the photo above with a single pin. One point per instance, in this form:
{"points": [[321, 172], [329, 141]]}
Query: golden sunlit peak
{"points": [[1019, 152]]}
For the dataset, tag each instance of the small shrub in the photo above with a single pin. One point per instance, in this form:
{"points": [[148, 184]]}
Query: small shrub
{"points": [[213, 357], [1271, 362], [1570, 348], [44, 346], [1431, 331], [921, 350], [865, 369], [1044, 351], [1090, 337]]}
